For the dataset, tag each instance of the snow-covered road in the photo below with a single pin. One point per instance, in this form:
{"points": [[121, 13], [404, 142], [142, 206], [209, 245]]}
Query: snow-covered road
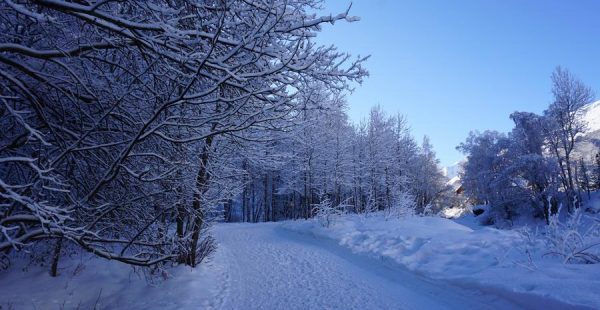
{"points": [[268, 267], [262, 266]]}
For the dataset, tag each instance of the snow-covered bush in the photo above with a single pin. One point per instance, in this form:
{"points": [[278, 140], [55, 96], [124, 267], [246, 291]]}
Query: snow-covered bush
{"points": [[428, 210], [403, 207], [326, 211], [530, 239], [574, 240]]}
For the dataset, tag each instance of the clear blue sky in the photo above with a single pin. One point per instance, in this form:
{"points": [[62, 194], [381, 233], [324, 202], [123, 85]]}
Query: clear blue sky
{"points": [[456, 66]]}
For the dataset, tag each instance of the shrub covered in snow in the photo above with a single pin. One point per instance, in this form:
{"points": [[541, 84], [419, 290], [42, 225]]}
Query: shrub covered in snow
{"points": [[326, 211], [575, 239], [404, 206]]}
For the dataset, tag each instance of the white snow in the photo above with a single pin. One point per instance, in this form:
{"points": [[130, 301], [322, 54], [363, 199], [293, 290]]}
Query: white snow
{"points": [[454, 212], [486, 258], [357, 263], [273, 268], [587, 143], [591, 115], [453, 170], [86, 282], [453, 181]]}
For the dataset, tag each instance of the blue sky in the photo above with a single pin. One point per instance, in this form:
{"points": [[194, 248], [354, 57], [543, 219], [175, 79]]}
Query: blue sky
{"points": [[456, 66]]}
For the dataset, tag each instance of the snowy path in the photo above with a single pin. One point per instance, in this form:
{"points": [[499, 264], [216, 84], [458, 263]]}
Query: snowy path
{"points": [[271, 268], [257, 266]]}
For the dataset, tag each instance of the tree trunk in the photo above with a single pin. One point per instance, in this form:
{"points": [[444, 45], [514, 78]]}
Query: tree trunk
{"points": [[273, 199], [266, 211], [198, 216], [180, 219], [56, 257]]}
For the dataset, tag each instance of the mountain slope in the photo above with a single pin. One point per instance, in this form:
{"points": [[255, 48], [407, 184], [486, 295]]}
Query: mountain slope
{"points": [[588, 144], [591, 115]]}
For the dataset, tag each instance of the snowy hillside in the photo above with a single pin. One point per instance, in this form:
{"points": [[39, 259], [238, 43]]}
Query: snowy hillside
{"points": [[591, 115], [588, 144]]}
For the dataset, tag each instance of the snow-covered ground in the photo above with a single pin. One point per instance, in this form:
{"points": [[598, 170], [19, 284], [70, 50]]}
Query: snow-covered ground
{"points": [[483, 258], [87, 282], [257, 266], [357, 263], [275, 268]]}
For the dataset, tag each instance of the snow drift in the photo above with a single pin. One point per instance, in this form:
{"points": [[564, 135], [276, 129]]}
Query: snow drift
{"points": [[443, 249]]}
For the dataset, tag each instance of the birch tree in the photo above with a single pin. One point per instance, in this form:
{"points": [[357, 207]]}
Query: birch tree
{"points": [[563, 125]]}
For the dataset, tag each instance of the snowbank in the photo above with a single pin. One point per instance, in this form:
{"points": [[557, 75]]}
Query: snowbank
{"points": [[485, 258], [87, 282]]}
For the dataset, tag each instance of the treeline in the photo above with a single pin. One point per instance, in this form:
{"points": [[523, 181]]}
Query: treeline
{"points": [[536, 168], [373, 166], [123, 121]]}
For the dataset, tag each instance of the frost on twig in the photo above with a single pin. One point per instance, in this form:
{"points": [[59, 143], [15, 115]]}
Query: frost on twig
{"points": [[122, 122]]}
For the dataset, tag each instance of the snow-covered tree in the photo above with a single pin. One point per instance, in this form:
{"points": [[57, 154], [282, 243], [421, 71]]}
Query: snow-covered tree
{"points": [[597, 170], [562, 125], [532, 166], [583, 177], [372, 166], [536, 170], [119, 115], [485, 175], [429, 181]]}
